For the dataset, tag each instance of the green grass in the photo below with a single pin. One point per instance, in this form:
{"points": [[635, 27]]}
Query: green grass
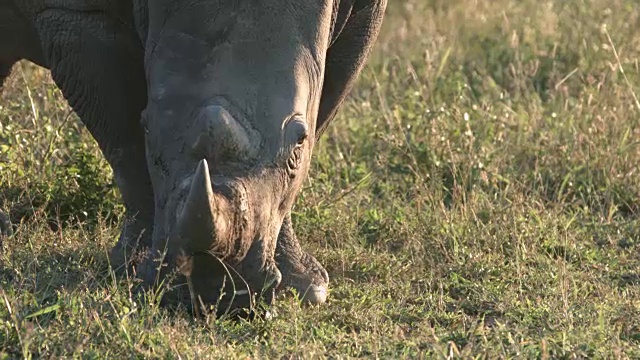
{"points": [[478, 196]]}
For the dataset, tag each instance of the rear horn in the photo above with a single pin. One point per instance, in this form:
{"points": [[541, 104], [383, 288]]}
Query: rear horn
{"points": [[224, 135]]}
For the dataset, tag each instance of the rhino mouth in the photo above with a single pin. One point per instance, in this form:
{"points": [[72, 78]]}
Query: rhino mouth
{"points": [[211, 286], [220, 263]]}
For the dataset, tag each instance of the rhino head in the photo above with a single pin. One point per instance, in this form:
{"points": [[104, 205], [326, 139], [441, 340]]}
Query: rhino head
{"points": [[233, 95]]}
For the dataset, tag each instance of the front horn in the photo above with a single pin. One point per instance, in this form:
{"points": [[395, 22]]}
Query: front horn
{"points": [[201, 225]]}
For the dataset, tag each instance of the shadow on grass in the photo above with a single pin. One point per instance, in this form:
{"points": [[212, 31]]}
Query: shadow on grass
{"points": [[59, 208], [629, 279]]}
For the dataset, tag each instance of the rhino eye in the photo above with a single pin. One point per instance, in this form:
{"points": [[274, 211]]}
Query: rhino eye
{"points": [[296, 132], [296, 135], [302, 138]]}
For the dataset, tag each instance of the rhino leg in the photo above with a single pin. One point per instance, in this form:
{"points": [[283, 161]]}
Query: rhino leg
{"points": [[300, 270], [97, 62]]}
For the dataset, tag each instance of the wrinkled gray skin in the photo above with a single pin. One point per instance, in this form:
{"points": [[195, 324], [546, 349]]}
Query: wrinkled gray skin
{"points": [[208, 112]]}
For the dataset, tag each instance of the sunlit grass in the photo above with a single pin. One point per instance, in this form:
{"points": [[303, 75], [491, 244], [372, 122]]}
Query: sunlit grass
{"points": [[478, 195]]}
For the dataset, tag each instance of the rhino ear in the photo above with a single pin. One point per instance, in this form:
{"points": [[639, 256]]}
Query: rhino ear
{"points": [[200, 223]]}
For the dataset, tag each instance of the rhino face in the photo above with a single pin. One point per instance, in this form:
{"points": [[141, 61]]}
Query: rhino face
{"points": [[233, 94]]}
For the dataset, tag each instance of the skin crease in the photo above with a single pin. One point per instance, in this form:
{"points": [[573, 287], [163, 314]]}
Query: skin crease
{"points": [[215, 80]]}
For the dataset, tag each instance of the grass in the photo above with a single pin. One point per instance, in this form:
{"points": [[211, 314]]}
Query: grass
{"points": [[478, 196]]}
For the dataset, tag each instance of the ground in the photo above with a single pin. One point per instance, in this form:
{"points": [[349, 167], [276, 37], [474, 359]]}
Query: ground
{"points": [[477, 196]]}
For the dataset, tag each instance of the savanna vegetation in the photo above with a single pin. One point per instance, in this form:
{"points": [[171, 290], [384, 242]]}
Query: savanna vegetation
{"points": [[478, 196]]}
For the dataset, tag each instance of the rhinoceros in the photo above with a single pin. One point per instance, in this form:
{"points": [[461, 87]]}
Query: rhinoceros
{"points": [[208, 112]]}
